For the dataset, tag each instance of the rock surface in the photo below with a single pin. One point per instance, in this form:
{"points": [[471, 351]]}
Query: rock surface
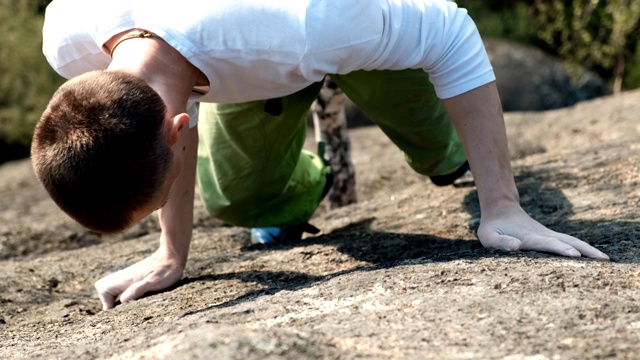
{"points": [[398, 275]]}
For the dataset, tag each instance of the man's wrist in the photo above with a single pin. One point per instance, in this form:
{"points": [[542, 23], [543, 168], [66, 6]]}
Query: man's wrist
{"points": [[176, 260], [499, 206], [178, 252]]}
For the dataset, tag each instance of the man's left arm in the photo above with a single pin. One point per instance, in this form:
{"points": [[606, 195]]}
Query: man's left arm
{"points": [[478, 118]]}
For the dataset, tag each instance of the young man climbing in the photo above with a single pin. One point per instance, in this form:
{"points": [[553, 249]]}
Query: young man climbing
{"points": [[119, 140]]}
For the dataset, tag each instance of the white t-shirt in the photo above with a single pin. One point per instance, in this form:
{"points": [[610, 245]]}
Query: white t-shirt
{"points": [[262, 49]]}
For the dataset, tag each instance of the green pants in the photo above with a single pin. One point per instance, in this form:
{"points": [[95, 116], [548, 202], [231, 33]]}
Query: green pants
{"points": [[252, 171]]}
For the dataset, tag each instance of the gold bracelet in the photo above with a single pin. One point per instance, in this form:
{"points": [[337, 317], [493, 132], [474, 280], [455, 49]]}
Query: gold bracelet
{"points": [[143, 34]]}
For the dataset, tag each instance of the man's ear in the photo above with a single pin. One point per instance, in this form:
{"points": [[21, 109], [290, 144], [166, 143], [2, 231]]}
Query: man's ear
{"points": [[173, 127]]}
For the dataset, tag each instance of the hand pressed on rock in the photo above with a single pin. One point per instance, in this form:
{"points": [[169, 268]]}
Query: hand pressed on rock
{"points": [[516, 230], [157, 272]]}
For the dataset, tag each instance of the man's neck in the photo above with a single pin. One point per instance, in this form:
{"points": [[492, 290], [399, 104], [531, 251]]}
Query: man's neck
{"points": [[160, 65]]}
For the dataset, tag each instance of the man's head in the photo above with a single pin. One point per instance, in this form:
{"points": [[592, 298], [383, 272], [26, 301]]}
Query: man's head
{"points": [[100, 149]]}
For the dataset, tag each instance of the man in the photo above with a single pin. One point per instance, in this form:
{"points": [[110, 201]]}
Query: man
{"points": [[119, 140]]}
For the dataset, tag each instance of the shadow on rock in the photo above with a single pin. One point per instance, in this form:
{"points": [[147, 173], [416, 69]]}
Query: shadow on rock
{"points": [[542, 198], [380, 249]]}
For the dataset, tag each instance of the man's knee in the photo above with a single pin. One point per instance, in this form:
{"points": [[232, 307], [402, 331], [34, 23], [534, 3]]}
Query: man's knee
{"points": [[231, 206]]}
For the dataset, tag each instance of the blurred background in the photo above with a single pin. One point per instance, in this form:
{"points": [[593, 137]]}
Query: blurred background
{"points": [[546, 53]]}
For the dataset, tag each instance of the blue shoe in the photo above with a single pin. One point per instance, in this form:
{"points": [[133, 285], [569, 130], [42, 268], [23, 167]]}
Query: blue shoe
{"points": [[271, 235]]}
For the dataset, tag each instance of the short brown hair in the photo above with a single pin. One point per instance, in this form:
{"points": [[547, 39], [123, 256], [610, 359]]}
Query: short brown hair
{"points": [[99, 148]]}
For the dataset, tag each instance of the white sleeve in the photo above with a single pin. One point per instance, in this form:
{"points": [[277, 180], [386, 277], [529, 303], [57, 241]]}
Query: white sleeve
{"points": [[67, 41], [438, 37], [192, 110], [462, 64], [74, 31]]}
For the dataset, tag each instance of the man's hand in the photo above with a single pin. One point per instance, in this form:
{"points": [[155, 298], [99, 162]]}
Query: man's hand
{"points": [[513, 229], [157, 272]]}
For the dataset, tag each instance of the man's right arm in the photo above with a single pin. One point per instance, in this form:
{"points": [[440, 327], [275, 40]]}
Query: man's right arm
{"points": [[166, 265]]}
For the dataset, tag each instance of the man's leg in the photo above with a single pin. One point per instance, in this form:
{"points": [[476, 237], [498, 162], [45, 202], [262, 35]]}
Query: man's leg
{"points": [[251, 170], [405, 106]]}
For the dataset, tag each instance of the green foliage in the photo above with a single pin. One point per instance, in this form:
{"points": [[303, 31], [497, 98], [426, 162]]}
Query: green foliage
{"points": [[26, 79], [632, 76], [600, 34], [502, 19]]}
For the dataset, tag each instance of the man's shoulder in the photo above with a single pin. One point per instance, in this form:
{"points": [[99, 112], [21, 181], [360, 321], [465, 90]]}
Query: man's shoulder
{"points": [[74, 30]]}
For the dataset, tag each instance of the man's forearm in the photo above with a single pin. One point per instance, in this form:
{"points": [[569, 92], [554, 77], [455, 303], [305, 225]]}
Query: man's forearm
{"points": [[477, 116], [176, 216]]}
